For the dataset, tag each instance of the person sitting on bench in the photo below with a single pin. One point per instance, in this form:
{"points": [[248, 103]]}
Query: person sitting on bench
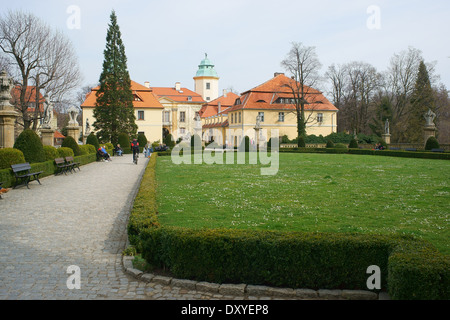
{"points": [[118, 150], [102, 154]]}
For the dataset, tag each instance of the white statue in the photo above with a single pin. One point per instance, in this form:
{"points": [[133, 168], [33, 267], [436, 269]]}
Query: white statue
{"points": [[88, 128], [386, 127], [429, 118], [73, 114], [48, 113]]}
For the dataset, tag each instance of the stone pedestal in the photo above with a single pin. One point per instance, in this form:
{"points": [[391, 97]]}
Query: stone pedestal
{"points": [[48, 137], [7, 113], [74, 132], [7, 126], [429, 131], [387, 138]]}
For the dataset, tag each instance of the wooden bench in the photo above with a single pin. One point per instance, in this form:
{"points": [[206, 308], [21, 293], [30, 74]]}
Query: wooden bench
{"points": [[410, 149], [437, 150], [70, 162], [62, 166], [394, 149], [23, 174]]}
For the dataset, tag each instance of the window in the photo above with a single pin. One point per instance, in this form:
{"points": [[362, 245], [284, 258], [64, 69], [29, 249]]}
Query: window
{"points": [[166, 116], [232, 118], [197, 114], [182, 130], [140, 115], [208, 86], [240, 117], [182, 116], [208, 99], [281, 116], [320, 117], [261, 116], [189, 98]]}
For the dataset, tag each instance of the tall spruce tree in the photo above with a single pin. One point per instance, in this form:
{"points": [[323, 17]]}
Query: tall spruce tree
{"points": [[114, 112], [422, 99]]}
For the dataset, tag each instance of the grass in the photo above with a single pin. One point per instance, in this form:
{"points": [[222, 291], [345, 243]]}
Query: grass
{"points": [[312, 192]]}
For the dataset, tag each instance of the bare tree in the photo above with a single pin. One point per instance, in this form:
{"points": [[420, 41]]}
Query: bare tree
{"points": [[42, 56], [303, 65]]}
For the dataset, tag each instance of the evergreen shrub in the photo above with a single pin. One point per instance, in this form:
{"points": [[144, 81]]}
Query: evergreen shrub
{"points": [[92, 140], [70, 142], [353, 144], [65, 152], [330, 144], [9, 156], [431, 144], [31, 145], [51, 153]]}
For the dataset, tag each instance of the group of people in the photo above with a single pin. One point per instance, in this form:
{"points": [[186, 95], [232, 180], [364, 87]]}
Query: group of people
{"points": [[379, 146], [103, 154]]}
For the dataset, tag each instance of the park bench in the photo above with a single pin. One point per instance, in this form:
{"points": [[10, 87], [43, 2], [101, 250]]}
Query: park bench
{"points": [[437, 150], [70, 161], [23, 174], [410, 149], [394, 148], [62, 166]]}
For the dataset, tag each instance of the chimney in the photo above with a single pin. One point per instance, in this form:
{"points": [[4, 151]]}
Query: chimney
{"points": [[219, 108], [276, 74], [225, 92], [178, 86], [147, 84]]}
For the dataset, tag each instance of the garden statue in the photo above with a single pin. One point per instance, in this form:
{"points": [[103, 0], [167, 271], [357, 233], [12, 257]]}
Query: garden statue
{"points": [[88, 128], [429, 118], [386, 127], [73, 114], [48, 113]]}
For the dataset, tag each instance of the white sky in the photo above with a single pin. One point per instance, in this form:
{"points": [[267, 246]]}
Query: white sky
{"points": [[247, 39]]}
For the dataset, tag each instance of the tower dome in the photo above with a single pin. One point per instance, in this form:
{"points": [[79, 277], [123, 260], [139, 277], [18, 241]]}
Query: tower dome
{"points": [[207, 80], [206, 68]]}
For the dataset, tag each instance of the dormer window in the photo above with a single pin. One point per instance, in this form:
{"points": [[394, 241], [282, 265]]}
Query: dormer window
{"points": [[189, 98]]}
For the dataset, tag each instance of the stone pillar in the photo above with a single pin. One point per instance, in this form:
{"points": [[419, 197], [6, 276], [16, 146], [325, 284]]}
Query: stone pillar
{"points": [[48, 137], [429, 131], [387, 138], [8, 115], [74, 132]]}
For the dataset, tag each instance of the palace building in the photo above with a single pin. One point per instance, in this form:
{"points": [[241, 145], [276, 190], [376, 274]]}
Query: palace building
{"points": [[272, 105]]}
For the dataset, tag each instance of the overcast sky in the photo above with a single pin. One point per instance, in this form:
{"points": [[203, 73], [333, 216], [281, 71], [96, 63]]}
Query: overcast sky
{"points": [[246, 39]]}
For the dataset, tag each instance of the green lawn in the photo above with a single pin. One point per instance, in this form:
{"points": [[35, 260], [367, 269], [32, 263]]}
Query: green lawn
{"points": [[312, 192]]}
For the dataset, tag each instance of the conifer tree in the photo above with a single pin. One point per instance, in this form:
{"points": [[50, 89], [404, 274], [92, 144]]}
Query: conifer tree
{"points": [[114, 112], [422, 99]]}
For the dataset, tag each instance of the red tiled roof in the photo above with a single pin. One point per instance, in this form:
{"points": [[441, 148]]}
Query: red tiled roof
{"points": [[58, 135], [212, 108], [178, 96], [30, 97], [265, 95], [147, 98]]}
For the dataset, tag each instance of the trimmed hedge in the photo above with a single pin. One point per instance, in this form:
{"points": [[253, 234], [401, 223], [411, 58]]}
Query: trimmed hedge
{"points": [[92, 140], [390, 153], [51, 153], [65, 152], [143, 215], [410, 268], [9, 156]]}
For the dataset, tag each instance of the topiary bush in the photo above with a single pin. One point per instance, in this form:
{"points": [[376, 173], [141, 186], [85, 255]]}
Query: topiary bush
{"points": [[51, 153], [92, 140], [330, 144], [91, 148], [353, 144], [142, 139], [65, 152], [31, 145], [169, 141], [431, 144], [70, 142], [124, 141], [245, 144], [195, 139], [9, 156]]}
